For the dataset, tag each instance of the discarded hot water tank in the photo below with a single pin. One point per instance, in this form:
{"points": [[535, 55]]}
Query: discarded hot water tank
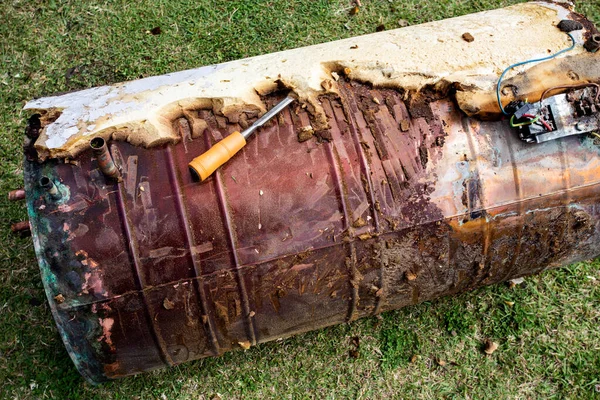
{"points": [[397, 191]]}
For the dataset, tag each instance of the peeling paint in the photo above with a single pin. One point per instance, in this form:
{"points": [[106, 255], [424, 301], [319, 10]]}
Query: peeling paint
{"points": [[432, 55]]}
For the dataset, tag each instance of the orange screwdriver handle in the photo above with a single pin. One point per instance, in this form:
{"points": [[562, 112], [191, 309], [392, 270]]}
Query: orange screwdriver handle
{"points": [[206, 163]]}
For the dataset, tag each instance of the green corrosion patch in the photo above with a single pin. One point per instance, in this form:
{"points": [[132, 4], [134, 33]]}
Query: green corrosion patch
{"points": [[45, 196]]}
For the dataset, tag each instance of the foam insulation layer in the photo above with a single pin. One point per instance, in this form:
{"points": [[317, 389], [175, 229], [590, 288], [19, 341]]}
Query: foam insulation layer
{"points": [[432, 55]]}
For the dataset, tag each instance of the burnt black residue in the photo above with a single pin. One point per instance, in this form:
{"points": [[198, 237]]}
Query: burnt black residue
{"points": [[413, 263], [423, 156]]}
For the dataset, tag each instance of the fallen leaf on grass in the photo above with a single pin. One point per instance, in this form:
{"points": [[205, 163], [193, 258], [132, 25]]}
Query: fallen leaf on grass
{"points": [[514, 282], [490, 347], [244, 345]]}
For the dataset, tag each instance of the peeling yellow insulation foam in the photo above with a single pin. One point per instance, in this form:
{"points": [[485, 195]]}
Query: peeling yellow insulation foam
{"points": [[432, 55]]}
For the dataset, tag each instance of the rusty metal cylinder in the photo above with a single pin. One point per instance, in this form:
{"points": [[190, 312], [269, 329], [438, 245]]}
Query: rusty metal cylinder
{"points": [[104, 158], [287, 237]]}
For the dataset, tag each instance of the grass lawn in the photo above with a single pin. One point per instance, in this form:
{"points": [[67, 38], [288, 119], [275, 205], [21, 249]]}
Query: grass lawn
{"points": [[548, 328]]}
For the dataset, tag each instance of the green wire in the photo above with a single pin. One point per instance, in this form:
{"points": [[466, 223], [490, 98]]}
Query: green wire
{"points": [[533, 121], [498, 85]]}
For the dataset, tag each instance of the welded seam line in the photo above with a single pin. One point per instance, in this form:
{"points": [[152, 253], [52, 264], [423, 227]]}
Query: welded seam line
{"points": [[337, 179], [366, 170], [487, 228], [189, 242], [566, 176], [520, 207], [231, 238], [137, 264]]}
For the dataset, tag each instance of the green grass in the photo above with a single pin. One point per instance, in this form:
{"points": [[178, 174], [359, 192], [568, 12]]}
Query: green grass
{"points": [[548, 328]]}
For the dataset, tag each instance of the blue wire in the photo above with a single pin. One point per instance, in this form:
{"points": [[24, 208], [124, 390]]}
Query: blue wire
{"points": [[527, 62]]}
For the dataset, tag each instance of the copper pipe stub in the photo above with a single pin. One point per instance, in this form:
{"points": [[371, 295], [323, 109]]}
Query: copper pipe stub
{"points": [[105, 160], [22, 226], [50, 187], [16, 195]]}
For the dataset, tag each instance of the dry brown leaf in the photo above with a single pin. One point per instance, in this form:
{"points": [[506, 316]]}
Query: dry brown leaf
{"points": [[490, 347], [244, 345]]}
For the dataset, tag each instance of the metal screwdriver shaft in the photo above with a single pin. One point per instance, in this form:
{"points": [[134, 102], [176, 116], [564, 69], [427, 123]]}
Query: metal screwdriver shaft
{"points": [[267, 116], [204, 165]]}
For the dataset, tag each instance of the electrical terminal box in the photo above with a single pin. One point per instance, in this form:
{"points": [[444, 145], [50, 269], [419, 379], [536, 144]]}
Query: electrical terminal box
{"points": [[573, 113]]}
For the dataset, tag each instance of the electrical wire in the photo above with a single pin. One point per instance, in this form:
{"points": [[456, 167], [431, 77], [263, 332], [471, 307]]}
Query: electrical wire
{"points": [[546, 125], [533, 121], [527, 62], [583, 85]]}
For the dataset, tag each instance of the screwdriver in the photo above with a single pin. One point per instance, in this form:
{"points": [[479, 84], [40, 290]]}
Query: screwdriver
{"points": [[205, 164]]}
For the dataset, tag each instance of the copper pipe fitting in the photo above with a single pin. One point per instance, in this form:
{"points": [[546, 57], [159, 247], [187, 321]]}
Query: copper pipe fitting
{"points": [[16, 195], [22, 226], [105, 160]]}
